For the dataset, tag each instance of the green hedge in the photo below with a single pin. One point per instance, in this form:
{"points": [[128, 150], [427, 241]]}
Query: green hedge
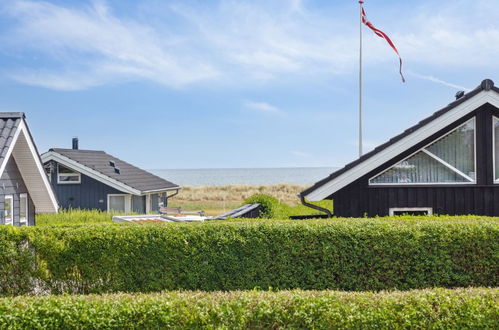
{"points": [[240, 255], [428, 309]]}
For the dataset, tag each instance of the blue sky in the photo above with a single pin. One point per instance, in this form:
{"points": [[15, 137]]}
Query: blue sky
{"points": [[208, 84]]}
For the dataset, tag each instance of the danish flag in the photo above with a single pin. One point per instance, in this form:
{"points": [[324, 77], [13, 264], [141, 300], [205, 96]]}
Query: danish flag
{"points": [[383, 35]]}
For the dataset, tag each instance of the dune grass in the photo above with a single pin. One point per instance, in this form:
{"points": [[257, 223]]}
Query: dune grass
{"points": [[236, 194]]}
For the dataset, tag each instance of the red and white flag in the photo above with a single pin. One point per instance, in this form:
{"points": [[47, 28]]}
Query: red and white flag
{"points": [[383, 35]]}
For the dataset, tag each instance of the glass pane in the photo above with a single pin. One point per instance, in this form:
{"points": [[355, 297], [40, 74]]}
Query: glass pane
{"points": [[117, 203], [138, 204], [496, 146], [63, 169], [419, 168], [23, 207], [69, 178], [7, 206], [458, 148]]}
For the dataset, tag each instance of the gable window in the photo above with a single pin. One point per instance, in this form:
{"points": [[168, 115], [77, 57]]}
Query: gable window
{"points": [[449, 159], [67, 176]]}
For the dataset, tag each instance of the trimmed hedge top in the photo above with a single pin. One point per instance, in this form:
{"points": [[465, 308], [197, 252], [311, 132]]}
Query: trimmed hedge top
{"points": [[238, 255], [426, 309]]}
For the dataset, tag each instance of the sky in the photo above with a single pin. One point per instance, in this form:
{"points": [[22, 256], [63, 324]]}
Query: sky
{"points": [[224, 84]]}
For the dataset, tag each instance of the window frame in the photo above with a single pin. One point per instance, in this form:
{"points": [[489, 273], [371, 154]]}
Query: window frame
{"points": [[25, 219], [441, 161], [392, 210], [496, 180], [76, 174], [11, 197], [128, 202]]}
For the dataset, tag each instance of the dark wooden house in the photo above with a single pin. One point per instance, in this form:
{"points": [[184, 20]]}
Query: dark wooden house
{"points": [[24, 187], [446, 164], [92, 179]]}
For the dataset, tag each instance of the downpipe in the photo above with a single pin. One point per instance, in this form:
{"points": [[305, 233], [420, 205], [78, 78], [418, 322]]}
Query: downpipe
{"points": [[315, 207]]}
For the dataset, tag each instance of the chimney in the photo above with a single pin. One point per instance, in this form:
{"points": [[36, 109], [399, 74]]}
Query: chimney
{"points": [[75, 143]]}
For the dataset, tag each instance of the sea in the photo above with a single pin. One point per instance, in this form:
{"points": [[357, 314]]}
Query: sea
{"points": [[246, 176]]}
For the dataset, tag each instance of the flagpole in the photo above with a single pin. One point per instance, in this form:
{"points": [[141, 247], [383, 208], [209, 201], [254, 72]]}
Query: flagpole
{"points": [[360, 78]]}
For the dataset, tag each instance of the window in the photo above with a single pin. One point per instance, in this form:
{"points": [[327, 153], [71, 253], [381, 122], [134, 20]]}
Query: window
{"points": [[23, 208], [450, 159], [118, 203], [8, 208], [495, 132], [410, 211], [67, 176]]}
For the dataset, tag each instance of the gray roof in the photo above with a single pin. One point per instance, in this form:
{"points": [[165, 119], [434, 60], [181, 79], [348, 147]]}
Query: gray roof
{"points": [[129, 175], [9, 122]]}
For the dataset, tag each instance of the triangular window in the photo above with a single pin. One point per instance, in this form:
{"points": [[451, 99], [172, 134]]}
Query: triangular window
{"points": [[450, 159]]}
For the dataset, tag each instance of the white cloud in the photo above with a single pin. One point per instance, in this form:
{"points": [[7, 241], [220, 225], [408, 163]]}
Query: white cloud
{"points": [[236, 42], [439, 81], [261, 106], [94, 47]]}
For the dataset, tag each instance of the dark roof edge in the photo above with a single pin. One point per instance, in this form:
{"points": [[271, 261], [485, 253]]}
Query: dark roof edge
{"points": [[5, 115], [485, 85]]}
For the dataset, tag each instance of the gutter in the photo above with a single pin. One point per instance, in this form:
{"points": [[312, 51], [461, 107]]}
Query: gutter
{"points": [[315, 207], [174, 194], [161, 190]]}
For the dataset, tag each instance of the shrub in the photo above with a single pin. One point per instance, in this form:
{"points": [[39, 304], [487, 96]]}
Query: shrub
{"points": [[239, 255], [74, 216], [17, 269], [270, 207], [427, 309]]}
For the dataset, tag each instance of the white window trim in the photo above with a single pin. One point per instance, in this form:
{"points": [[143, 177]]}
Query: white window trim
{"points": [[496, 180], [148, 203], [23, 220], [11, 197], [68, 174], [392, 210], [128, 201], [443, 162]]}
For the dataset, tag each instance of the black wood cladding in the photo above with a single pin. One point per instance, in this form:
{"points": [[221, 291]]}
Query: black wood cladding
{"points": [[359, 199]]}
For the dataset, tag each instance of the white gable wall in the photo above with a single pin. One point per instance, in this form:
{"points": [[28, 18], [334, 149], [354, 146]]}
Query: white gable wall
{"points": [[28, 161]]}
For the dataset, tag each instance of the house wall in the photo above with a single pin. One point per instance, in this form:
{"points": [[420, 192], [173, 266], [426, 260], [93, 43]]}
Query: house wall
{"points": [[92, 194], [12, 183], [482, 198], [89, 194]]}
